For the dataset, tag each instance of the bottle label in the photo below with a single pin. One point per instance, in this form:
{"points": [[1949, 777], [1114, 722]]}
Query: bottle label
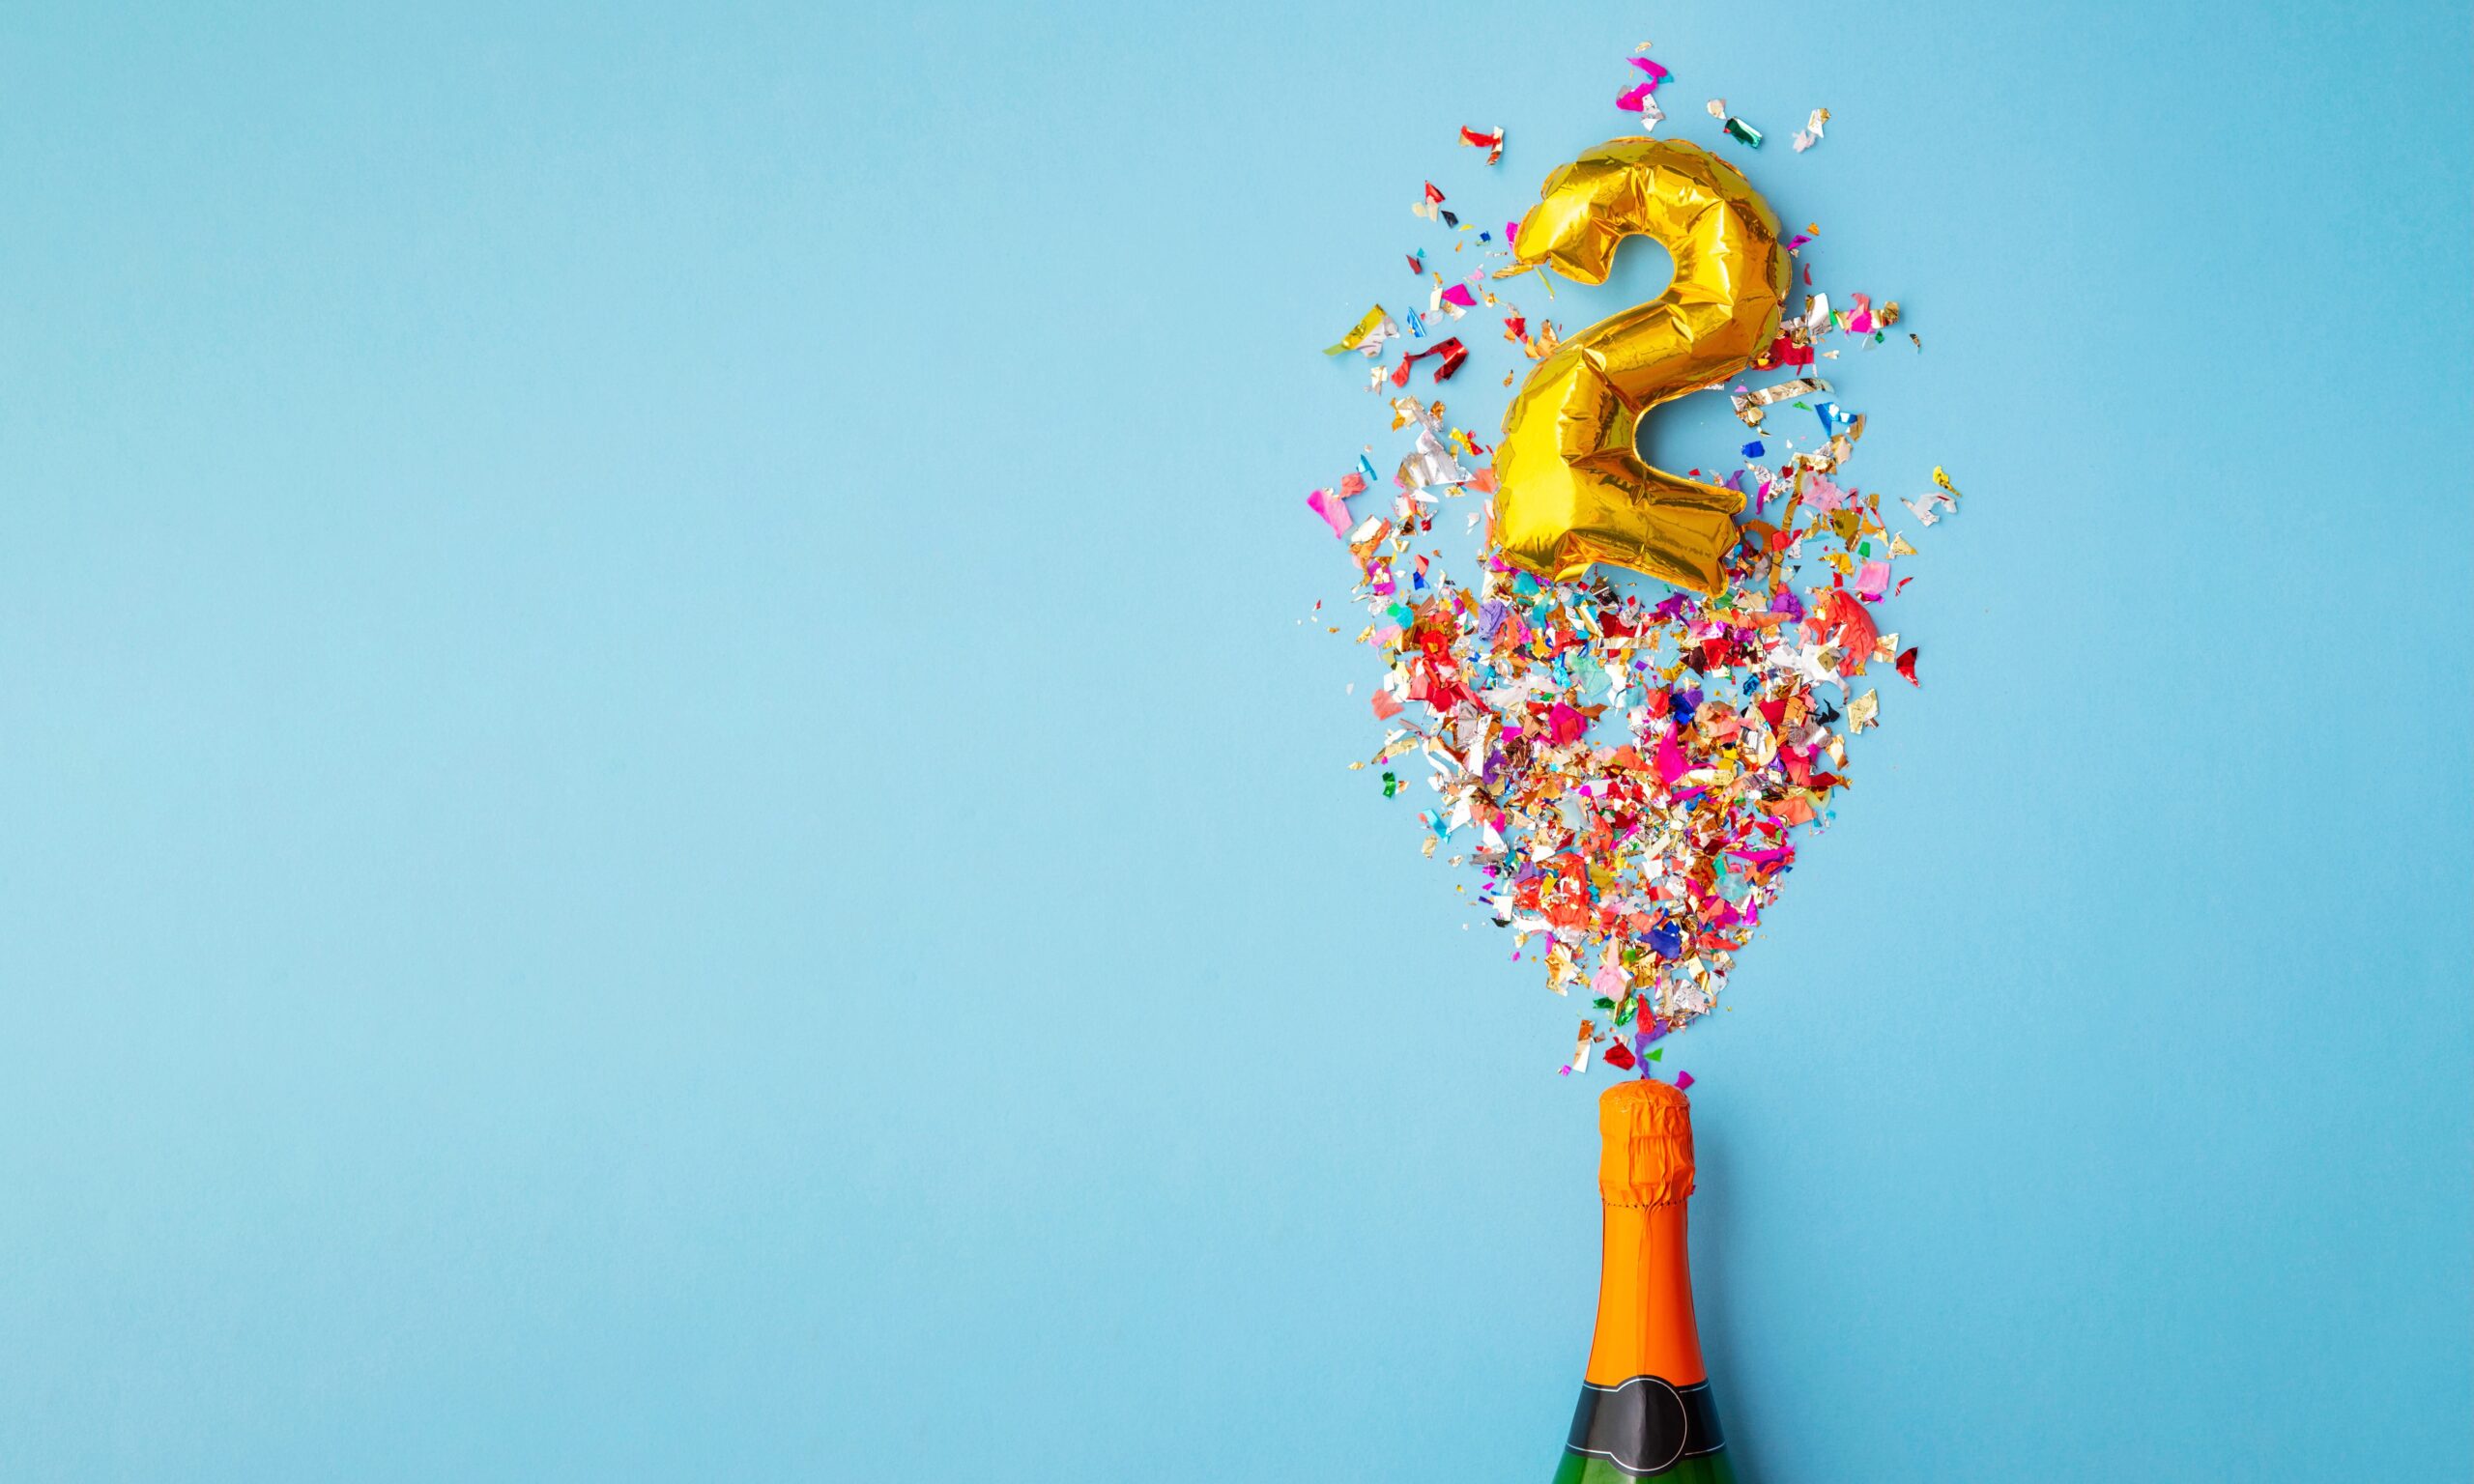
{"points": [[1645, 1425]]}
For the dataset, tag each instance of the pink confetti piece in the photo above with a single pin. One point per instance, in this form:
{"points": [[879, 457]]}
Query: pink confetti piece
{"points": [[1671, 763], [1333, 508]]}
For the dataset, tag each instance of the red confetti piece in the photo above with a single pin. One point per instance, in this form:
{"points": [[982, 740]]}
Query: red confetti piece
{"points": [[1452, 352], [1841, 619], [1784, 352]]}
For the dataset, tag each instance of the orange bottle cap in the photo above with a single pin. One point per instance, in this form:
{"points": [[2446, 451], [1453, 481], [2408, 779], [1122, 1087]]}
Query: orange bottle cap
{"points": [[1646, 1158]]}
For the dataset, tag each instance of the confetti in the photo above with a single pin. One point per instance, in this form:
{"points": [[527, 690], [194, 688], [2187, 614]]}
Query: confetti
{"points": [[1451, 352], [1925, 509], [1749, 403], [1735, 128], [1333, 508], [1367, 335], [1580, 1050], [1623, 774], [1637, 99]]}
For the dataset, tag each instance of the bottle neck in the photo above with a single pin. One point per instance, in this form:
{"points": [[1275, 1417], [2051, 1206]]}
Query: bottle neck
{"points": [[1645, 1325]]}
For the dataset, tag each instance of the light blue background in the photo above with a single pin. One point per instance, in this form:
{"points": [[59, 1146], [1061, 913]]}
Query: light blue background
{"points": [[663, 814]]}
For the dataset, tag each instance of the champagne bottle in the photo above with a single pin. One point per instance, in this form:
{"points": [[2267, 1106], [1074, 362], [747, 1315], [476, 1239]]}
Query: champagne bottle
{"points": [[1644, 1408]]}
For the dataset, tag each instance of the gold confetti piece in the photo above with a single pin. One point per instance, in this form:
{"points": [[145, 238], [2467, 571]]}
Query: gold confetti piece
{"points": [[1749, 403]]}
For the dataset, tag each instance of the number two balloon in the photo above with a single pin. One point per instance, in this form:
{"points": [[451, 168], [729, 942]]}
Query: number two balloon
{"points": [[1574, 490]]}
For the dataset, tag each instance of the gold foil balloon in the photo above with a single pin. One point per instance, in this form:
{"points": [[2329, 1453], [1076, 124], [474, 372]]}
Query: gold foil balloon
{"points": [[1574, 489]]}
